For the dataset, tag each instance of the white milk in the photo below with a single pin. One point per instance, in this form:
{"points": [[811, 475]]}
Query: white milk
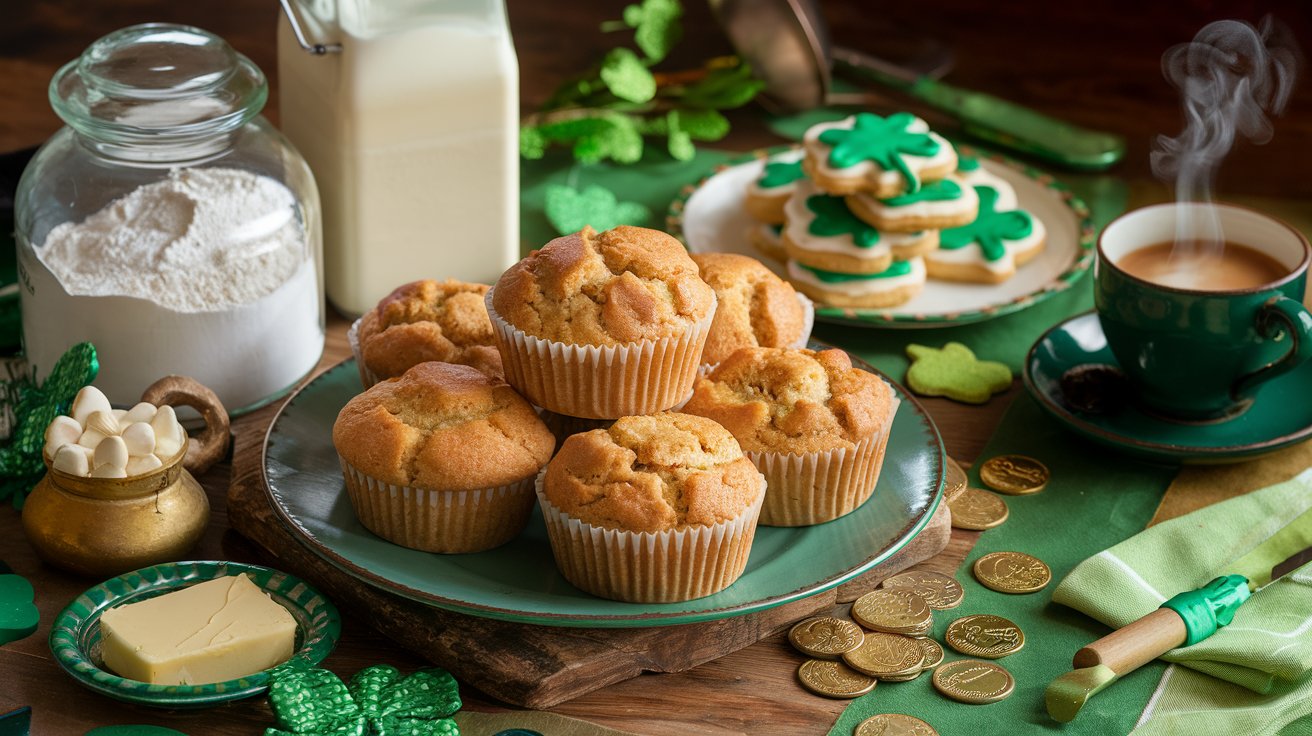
{"points": [[412, 134]]}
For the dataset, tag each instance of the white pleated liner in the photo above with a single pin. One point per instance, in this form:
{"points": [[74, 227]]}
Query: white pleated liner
{"points": [[367, 377], [447, 522], [814, 487], [650, 567], [808, 322], [600, 381]]}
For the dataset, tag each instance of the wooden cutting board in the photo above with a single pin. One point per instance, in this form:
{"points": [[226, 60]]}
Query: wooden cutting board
{"points": [[522, 664]]}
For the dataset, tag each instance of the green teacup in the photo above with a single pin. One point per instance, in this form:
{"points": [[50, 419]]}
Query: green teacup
{"points": [[1196, 354]]}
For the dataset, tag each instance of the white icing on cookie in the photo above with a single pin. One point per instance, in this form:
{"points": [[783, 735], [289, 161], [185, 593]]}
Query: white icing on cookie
{"points": [[981, 177], [967, 202], [860, 287], [800, 216], [870, 170]]}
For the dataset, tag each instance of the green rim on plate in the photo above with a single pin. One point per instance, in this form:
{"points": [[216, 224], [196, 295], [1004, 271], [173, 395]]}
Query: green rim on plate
{"points": [[519, 580], [867, 317], [75, 636]]}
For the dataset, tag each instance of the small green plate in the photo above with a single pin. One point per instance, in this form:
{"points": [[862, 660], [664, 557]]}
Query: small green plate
{"points": [[519, 581], [75, 636]]}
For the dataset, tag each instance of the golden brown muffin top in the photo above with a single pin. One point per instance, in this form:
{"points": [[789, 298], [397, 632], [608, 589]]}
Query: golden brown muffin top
{"points": [[754, 307], [429, 320], [653, 473], [443, 426], [793, 401], [625, 285]]}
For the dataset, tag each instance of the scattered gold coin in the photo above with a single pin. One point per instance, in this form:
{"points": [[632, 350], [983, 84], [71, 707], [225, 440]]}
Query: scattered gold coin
{"points": [[893, 610], [882, 655], [954, 478], [893, 724], [1012, 572], [940, 591], [1015, 475], [902, 678], [825, 637], [834, 679], [973, 681], [984, 635], [932, 652], [978, 510]]}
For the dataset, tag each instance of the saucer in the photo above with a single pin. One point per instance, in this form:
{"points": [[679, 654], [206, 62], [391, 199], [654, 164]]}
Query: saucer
{"points": [[1279, 416]]}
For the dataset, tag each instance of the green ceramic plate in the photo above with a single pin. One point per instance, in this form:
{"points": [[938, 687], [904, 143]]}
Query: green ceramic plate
{"points": [[75, 636], [519, 582], [709, 216]]}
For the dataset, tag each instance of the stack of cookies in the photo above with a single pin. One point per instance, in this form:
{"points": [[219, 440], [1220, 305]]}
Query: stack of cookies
{"points": [[872, 206]]}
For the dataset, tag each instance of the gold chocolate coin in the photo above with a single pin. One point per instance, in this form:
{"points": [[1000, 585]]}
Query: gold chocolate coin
{"points": [[881, 655], [825, 637], [932, 652], [893, 724], [902, 678], [983, 635], [893, 610], [973, 681], [954, 479], [978, 510], [1015, 475], [834, 679], [1012, 572], [940, 591]]}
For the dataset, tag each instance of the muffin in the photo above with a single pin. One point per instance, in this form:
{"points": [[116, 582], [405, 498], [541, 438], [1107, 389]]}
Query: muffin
{"points": [[603, 325], [653, 509], [753, 307], [422, 321], [406, 483], [815, 426]]}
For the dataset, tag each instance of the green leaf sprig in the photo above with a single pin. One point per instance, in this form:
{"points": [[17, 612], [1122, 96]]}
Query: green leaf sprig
{"points": [[605, 113]]}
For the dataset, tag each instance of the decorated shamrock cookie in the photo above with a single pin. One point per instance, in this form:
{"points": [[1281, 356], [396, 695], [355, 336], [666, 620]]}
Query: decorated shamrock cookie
{"points": [[884, 156], [768, 239], [767, 194], [973, 173], [823, 233], [954, 371], [936, 205], [989, 249], [895, 285]]}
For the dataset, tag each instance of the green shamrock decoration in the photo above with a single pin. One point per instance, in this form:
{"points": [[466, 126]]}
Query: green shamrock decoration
{"points": [[899, 268], [21, 464], [967, 163], [780, 173], [569, 210], [18, 612], [990, 227], [627, 77], [943, 190], [655, 25], [883, 141], [310, 701], [954, 371], [833, 218]]}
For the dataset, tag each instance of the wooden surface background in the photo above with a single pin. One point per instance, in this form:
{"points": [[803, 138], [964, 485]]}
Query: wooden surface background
{"points": [[1096, 64]]}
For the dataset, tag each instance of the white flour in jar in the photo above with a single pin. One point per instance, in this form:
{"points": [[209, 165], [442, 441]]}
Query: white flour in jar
{"points": [[205, 273]]}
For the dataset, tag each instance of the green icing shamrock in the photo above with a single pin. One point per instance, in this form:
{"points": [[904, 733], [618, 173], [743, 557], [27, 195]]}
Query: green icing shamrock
{"points": [[899, 268], [990, 227], [954, 371], [967, 163], [943, 190], [780, 173], [833, 218], [569, 210], [309, 701], [881, 140], [18, 614]]}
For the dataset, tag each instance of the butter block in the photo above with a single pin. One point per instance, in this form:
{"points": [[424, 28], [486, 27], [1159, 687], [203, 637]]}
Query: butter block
{"points": [[210, 632]]}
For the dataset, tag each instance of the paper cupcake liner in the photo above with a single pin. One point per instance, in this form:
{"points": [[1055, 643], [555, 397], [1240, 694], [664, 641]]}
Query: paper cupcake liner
{"points": [[809, 488], [649, 567], [367, 377], [440, 521], [601, 381]]}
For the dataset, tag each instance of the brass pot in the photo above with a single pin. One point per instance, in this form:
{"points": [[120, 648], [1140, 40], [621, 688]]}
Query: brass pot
{"points": [[103, 527]]}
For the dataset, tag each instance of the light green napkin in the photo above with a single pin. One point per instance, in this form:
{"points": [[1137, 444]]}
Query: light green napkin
{"points": [[1266, 650]]}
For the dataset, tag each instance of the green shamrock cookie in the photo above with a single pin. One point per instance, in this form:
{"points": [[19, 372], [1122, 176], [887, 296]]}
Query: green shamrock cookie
{"points": [[990, 227], [780, 173], [954, 371], [883, 141], [18, 613], [569, 210], [833, 218]]}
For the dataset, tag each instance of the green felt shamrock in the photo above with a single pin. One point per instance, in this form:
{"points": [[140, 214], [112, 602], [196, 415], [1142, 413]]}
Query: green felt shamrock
{"points": [[21, 465], [990, 227], [943, 190], [627, 77], [833, 218], [881, 140], [780, 173], [18, 614], [569, 210], [310, 701], [954, 371], [655, 25]]}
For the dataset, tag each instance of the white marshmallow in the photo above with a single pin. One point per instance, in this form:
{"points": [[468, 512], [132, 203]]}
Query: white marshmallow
{"points": [[61, 431], [140, 439], [109, 471], [103, 422], [87, 401], [144, 464], [169, 434], [143, 412], [111, 451], [72, 460], [90, 438]]}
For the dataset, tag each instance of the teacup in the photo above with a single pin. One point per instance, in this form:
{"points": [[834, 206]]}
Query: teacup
{"points": [[1196, 354]]}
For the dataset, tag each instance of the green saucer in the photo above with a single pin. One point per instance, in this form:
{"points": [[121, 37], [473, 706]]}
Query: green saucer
{"points": [[1279, 416], [75, 636]]}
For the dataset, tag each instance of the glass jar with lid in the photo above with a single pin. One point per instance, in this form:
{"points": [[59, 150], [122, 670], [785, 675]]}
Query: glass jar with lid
{"points": [[169, 224]]}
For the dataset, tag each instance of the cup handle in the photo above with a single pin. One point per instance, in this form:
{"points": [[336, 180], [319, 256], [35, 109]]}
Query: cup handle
{"points": [[211, 444], [1279, 314]]}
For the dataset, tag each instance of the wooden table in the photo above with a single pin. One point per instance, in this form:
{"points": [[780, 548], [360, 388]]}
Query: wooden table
{"points": [[1096, 64]]}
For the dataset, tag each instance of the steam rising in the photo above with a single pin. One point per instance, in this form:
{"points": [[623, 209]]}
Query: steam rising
{"points": [[1231, 77]]}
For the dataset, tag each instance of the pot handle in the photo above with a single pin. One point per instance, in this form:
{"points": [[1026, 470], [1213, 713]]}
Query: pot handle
{"points": [[211, 444]]}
